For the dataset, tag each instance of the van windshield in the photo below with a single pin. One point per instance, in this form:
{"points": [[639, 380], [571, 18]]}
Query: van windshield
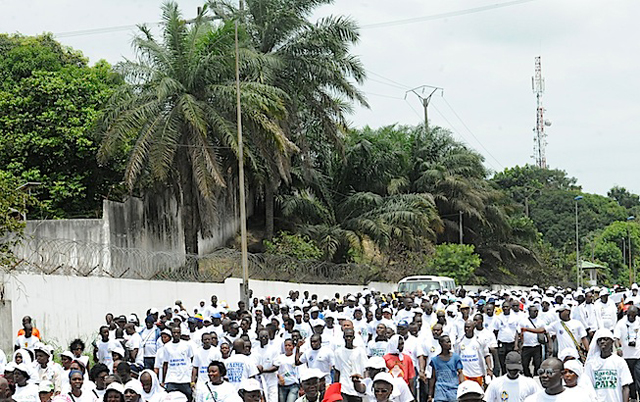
{"points": [[425, 286]]}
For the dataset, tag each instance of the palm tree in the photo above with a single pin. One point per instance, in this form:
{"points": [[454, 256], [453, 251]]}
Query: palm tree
{"points": [[316, 70], [341, 228], [176, 113]]}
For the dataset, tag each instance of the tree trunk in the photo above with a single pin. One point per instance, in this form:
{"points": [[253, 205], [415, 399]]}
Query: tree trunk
{"points": [[190, 216], [268, 210]]}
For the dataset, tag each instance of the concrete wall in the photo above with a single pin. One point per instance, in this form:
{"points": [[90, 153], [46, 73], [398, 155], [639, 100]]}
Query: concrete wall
{"points": [[135, 239], [67, 307]]}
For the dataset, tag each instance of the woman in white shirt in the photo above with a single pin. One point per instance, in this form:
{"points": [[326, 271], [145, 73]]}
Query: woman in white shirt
{"points": [[26, 390], [76, 380], [217, 389]]}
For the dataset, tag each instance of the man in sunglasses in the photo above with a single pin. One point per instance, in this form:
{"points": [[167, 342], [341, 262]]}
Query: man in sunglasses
{"points": [[551, 373]]}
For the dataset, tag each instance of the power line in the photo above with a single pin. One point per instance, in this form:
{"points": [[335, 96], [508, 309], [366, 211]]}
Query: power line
{"points": [[97, 31], [104, 30], [471, 132], [444, 15], [461, 136]]}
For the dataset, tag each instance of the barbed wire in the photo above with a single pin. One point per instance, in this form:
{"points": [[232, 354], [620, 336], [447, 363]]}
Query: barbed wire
{"points": [[82, 258]]}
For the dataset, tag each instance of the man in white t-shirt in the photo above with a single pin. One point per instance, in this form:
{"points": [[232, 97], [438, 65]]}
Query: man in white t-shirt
{"points": [[349, 361], [264, 356], [239, 365], [626, 339], [176, 364], [511, 387], [476, 359], [26, 340], [202, 357], [317, 356], [134, 345], [102, 350], [569, 333], [149, 335], [607, 371], [551, 375]]}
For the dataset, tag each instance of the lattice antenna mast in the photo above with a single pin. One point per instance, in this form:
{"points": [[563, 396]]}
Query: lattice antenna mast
{"points": [[540, 138]]}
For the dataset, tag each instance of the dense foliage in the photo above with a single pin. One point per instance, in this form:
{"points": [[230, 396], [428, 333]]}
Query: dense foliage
{"points": [[49, 102], [395, 200]]}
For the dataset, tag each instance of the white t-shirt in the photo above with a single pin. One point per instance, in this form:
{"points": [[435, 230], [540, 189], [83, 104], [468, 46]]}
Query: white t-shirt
{"points": [[149, 341], [627, 332], [22, 342], [135, 342], [504, 389], [322, 359], [104, 355], [608, 376], [349, 362], [564, 339], [28, 393], [472, 355], [201, 359], [377, 348], [224, 392], [507, 326], [568, 395], [239, 367], [287, 369], [530, 338], [178, 358]]}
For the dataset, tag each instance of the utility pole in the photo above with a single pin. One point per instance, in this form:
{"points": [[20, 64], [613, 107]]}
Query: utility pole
{"points": [[425, 99], [461, 227], [243, 207]]}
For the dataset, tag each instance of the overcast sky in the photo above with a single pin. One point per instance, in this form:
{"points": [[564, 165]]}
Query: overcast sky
{"points": [[484, 60]]}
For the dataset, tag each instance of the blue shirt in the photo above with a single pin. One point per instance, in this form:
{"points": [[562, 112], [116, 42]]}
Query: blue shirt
{"points": [[446, 377]]}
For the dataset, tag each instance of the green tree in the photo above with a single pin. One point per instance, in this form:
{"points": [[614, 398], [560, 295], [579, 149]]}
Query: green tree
{"points": [[13, 204], [340, 229], [623, 197], [178, 110], [49, 102], [316, 69], [458, 261]]}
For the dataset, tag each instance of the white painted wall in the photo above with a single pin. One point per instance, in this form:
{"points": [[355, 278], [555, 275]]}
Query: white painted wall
{"points": [[67, 307]]}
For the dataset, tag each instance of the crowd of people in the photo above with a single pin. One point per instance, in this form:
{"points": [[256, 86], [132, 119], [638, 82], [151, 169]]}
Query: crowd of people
{"points": [[497, 346]]}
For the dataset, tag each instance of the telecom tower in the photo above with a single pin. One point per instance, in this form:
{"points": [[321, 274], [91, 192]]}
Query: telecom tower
{"points": [[540, 138]]}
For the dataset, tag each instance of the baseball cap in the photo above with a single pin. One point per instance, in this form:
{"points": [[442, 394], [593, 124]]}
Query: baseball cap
{"points": [[309, 373], [468, 388], [386, 377], [563, 307], [45, 386], [216, 315], [317, 322], [134, 385], [116, 386], [513, 361], [376, 362], [297, 313]]}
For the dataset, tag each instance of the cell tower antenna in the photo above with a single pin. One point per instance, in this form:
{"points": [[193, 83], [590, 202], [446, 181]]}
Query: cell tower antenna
{"points": [[540, 138]]}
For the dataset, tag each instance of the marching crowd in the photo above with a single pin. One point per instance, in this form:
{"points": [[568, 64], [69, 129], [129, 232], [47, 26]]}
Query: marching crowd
{"points": [[496, 346]]}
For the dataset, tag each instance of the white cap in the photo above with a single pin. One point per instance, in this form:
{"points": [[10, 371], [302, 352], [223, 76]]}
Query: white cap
{"points": [[376, 362], [469, 387], [134, 385], [309, 373], [45, 386], [316, 322], [250, 385], [634, 286], [386, 377], [297, 313], [116, 386]]}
